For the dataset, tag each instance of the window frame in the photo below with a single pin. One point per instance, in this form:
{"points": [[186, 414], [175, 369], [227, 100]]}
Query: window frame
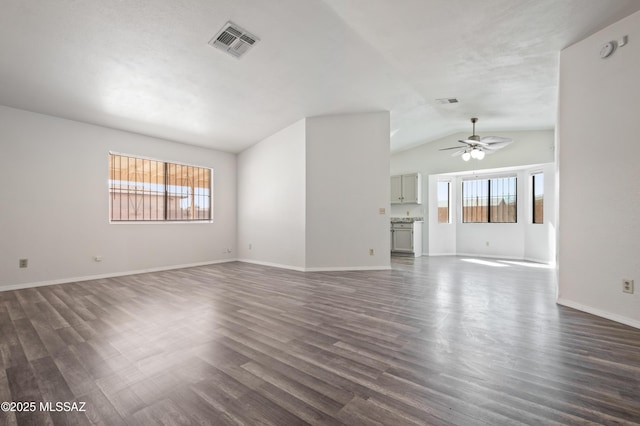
{"points": [[165, 184], [449, 215], [488, 180], [480, 181], [533, 198]]}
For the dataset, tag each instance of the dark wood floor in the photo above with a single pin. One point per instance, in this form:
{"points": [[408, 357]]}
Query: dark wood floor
{"points": [[433, 341]]}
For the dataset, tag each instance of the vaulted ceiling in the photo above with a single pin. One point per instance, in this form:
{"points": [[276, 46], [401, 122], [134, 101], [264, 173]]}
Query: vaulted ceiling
{"points": [[145, 65]]}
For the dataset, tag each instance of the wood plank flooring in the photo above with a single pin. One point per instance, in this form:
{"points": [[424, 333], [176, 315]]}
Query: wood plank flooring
{"points": [[434, 341]]}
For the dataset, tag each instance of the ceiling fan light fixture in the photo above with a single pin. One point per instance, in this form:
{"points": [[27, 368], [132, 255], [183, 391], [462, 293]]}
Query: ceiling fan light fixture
{"points": [[477, 147]]}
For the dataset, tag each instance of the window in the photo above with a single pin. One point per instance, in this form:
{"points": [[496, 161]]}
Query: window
{"points": [[148, 190], [537, 184], [503, 203], [489, 200], [443, 202]]}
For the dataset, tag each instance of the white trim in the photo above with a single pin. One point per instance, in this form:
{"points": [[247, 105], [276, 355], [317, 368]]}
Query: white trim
{"points": [[492, 256], [157, 222], [348, 268], [110, 275], [597, 312], [488, 176], [317, 269], [527, 259], [186, 265], [163, 221], [273, 265], [546, 262]]}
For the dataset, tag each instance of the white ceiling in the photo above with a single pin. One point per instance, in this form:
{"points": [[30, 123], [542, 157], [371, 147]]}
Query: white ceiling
{"points": [[145, 65]]}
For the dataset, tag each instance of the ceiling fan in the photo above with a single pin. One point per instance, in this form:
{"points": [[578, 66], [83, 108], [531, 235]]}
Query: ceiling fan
{"points": [[476, 146]]}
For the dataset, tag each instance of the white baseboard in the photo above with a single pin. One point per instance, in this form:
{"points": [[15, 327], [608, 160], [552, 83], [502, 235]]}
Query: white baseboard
{"points": [[273, 265], [527, 259], [319, 269], [186, 265], [348, 268], [110, 275], [597, 312], [546, 262], [490, 256]]}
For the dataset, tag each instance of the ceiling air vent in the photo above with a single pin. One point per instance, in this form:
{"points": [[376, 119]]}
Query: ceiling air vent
{"points": [[234, 40], [447, 101]]}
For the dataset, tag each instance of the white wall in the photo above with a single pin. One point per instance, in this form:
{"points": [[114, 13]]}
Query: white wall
{"points": [[504, 240], [441, 236], [347, 184], [599, 226], [540, 239], [309, 196], [530, 147], [271, 199], [521, 240], [55, 203]]}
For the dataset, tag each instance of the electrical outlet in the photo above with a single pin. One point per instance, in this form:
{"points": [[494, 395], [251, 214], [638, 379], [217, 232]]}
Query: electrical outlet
{"points": [[371, 252], [24, 263], [250, 246], [487, 243], [97, 258], [627, 286], [382, 210]]}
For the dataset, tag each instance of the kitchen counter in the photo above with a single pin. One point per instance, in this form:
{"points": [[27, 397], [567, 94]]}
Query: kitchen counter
{"points": [[406, 219]]}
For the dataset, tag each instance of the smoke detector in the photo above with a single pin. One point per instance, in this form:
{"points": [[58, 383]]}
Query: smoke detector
{"points": [[234, 40]]}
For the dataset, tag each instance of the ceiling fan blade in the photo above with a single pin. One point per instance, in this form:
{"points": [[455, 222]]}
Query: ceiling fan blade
{"points": [[457, 153], [452, 147], [495, 139], [496, 146], [486, 144], [473, 142]]}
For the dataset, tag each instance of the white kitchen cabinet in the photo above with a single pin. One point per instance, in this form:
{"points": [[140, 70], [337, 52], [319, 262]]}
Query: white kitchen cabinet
{"points": [[406, 189], [406, 237], [396, 189]]}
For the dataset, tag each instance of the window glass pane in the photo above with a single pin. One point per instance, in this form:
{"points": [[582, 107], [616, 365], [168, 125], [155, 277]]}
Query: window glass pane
{"points": [[490, 200], [149, 190], [202, 197], [503, 200], [175, 192], [538, 198], [443, 202], [475, 201], [158, 188]]}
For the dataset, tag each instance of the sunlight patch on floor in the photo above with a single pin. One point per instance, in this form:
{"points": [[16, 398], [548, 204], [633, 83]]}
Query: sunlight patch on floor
{"points": [[529, 264], [486, 263]]}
